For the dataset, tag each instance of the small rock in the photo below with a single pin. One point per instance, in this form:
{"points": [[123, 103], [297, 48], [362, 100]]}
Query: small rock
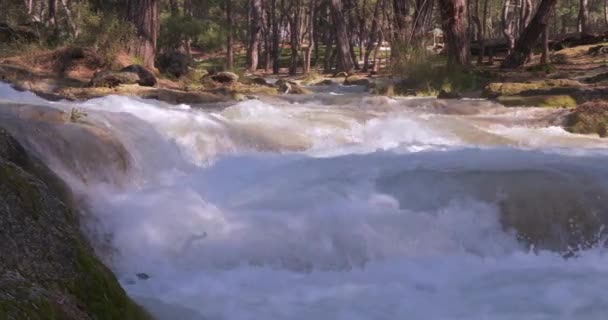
{"points": [[143, 276], [113, 79], [260, 81], [326, 82], [448, 95], [290, 87], [341, 75], [225, 77], [283, 85], [146, 77]]}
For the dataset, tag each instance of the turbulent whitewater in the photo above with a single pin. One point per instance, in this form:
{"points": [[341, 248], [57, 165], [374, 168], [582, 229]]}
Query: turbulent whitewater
{"points": [[341, 206]]}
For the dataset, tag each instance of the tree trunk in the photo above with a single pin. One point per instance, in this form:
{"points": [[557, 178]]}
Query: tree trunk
{"points": [[275, 36], [544, 58], [173, 5], [377, 52], [606, 11], [403, 20], [311, 36], [422, 15], [508, 25], [453, 20], [70, 18], [144, 16], [187, 40], [52, 13], [254, 34], [345, 62], [530, 36], [583, 18], [229, 36], [373, 35], [484, 21]]}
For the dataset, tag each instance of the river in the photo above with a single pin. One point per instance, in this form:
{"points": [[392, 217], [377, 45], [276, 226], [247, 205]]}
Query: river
{"points": [[341, 205]]}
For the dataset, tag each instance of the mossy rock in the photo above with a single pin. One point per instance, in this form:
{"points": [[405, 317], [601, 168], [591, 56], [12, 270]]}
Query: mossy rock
{"points": [[589, 118], [311, 78], [113, 79], [253, 89], [553, 101], [290, 87], [356, 81], [48, 270], [382, 87], [326, 82], [496, 89]]}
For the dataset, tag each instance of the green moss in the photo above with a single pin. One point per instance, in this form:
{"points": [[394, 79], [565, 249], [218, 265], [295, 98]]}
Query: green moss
{"points": [[26, 191], [549, 101], [513, 88], [100, 291], [38, 309], [589, 118]]}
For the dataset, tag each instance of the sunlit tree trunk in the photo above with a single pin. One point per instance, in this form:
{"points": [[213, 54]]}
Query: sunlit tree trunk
{"points": [[373, 35], [254, 34], [453, 20], [530, 36], [229, 36], [583, 18], [144, 16], [311, 35], [508, 25], [345, 62]]}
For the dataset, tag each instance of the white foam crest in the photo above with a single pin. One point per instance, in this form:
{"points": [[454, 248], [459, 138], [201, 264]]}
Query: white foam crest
{"points": [[290, 237]]}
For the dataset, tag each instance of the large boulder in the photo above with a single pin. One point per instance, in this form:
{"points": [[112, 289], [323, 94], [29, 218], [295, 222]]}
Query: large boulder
{"points": [[113, 79], [174, 63], [47, 269], [225, 77], [356, 81], [146, 77], [589, 118]]}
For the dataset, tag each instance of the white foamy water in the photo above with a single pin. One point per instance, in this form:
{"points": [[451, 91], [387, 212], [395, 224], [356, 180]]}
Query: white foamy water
{"points": [[349, 207]]}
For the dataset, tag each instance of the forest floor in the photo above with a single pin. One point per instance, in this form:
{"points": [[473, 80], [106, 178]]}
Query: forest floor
{"points": [[575, 75]]}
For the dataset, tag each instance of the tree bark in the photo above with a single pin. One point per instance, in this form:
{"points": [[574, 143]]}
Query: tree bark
{"points": [[70, 18], [229, 36], [583, 18], [508, 25], [453, 16], [144, 16], [530, 36], [403, 20], [275, 36], [373, 35], [345, 62], [484, 21], [311, 35], [52, 13], [173, 5], [254, 33], [606, 11], [422, 15], [544, 58]]}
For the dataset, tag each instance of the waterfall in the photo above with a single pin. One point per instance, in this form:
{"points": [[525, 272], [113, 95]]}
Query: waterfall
{"points": [[334, 206]]}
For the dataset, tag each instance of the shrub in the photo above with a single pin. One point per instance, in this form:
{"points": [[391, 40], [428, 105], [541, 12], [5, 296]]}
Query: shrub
{"points": [[104, 32], [427, 74]]}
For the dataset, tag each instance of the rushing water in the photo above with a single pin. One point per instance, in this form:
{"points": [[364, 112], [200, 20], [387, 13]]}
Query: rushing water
{"points": [[349, 207]]}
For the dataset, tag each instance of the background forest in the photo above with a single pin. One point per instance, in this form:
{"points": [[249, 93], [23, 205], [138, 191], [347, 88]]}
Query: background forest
{"points": [[301, 36]]}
